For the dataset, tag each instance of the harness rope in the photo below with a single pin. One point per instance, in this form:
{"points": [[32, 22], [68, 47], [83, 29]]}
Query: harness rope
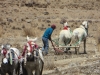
{"points": [[57, 43], [29, 42]]}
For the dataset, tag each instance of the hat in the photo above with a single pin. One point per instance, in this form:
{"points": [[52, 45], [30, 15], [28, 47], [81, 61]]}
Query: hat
{"points": [[66, 24], [53, 26]]}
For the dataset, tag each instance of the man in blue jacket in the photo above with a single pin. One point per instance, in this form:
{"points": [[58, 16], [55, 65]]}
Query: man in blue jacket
{"points": [[47, 36]]}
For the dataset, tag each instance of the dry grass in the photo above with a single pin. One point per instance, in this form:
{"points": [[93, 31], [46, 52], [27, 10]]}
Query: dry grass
{"points": [[49, 63], [98, 36], [29, 32], [98, 44], [32, 32], [1, 31], [98, 40]]}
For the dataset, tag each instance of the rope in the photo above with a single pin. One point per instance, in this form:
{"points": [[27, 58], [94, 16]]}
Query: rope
{"points": [[56, 41], [16, 54]]}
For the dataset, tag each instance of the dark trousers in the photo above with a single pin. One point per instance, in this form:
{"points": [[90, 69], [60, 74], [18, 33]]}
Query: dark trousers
{"points": [[45, 45]]}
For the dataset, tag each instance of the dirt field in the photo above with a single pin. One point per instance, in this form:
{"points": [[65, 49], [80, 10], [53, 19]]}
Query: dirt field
{"points": [[19, 18]]}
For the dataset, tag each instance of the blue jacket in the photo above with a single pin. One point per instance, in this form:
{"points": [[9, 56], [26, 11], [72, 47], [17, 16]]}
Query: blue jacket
{"points": [[47, 33]]}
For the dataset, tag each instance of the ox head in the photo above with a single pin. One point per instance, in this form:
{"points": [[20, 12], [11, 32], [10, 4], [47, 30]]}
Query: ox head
{"points": [[5, 52], [30, 46], [5, 49], [85, 24]]}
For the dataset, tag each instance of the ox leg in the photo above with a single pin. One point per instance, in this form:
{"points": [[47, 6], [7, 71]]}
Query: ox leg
{"points": [[25, 71], [75, 50], [10, 74], [30, 72], [61, 42], [68, 50], [37, 71], [85, 46], [41, 66], [66, 42], [17, 68], [3, 73]]}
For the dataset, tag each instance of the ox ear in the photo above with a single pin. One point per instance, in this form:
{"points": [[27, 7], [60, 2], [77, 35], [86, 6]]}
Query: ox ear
{"points": [[27, 38], [2, 46]]}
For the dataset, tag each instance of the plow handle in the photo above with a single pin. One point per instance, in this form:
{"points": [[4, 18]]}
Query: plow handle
{"points": [[52, 44], [56, 49]]}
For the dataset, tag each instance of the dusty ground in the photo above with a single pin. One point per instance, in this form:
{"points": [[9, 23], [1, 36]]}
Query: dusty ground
{"points": [[19, 18]]}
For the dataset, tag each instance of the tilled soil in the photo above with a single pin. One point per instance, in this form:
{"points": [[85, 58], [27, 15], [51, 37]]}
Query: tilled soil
{"points": [[72, 64]]}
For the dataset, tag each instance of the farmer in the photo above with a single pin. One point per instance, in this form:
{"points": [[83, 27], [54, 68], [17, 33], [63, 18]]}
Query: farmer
{"points": [[47, 36]]}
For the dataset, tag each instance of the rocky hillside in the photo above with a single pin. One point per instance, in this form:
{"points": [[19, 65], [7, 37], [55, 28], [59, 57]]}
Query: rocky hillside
{"points": [[19, 18]]}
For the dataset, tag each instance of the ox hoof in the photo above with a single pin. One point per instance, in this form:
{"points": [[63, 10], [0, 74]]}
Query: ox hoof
{"points": [[85, 52], [65, 51], [69, 52]]}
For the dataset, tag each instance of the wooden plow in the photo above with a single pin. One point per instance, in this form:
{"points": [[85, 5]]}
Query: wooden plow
{"points": [[58, 49]]}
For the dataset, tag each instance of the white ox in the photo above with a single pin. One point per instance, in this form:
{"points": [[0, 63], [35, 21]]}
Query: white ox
{"points": [[9, 49], [79, 35], [10, 59], [65, 37]]}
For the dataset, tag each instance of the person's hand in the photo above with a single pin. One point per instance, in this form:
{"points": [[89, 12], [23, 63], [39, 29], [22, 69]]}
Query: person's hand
{"points": [[50, 39]]}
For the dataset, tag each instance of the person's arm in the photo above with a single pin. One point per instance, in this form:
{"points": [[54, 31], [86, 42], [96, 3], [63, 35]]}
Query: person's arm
{"points": [[50, 37], [50, 33]]}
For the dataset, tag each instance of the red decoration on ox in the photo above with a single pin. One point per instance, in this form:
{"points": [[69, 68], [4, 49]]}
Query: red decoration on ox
{"points": [[4, 52]]}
